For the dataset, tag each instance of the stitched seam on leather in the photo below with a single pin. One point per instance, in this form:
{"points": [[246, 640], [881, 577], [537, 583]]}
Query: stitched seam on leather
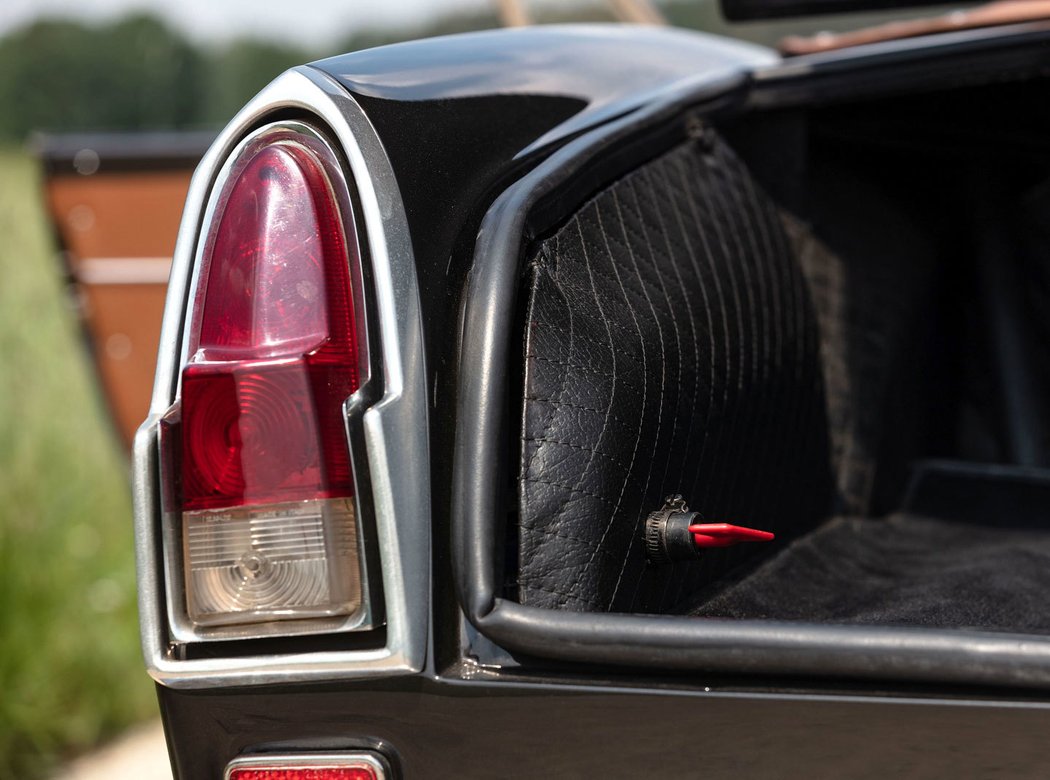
{"points": [[637, 293], [579, 337], [561, 389], [574, 366], [708, 257], [659, 406], [645, 384], [531, 585], [570, 285], [577, 490], [737, 208], [570, 405], [750, 330], [583, 473], [664, 401], [686, 304], [537, 269], [568, 537], [730, 305], [701, 459], [611, 458]]}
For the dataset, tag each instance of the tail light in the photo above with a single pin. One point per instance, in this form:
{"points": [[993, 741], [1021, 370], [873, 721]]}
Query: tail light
{"points": [[258, 437]]}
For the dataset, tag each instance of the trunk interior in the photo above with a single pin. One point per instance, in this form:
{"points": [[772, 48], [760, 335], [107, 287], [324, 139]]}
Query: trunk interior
{"points": [[920, 226]]}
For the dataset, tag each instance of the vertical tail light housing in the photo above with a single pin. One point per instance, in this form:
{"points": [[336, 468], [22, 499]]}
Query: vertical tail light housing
{"points": [[263, 519]]}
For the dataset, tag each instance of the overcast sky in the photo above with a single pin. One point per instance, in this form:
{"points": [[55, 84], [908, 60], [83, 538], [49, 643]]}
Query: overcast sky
{"points": [[310, 22]]}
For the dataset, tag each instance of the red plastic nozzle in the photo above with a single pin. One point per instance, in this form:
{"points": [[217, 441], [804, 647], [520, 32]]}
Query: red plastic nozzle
{"points": [[671, 535], [724, 534]]}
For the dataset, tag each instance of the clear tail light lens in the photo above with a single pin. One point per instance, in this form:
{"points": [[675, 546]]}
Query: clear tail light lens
{"points": [[275, 349], [261, 563]]}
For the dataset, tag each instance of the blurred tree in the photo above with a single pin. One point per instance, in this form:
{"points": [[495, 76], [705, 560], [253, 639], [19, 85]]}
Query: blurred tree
{"points": [[134, 74], [137, 73], [238, 71], [157, 74]]}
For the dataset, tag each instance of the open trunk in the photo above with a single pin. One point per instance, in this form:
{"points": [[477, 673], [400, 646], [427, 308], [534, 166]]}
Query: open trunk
{"points": [[827, 320], [921, 228]]}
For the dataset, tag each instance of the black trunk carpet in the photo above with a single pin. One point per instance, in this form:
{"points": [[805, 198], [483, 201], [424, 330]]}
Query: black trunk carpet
{"points": [[902, 570]]}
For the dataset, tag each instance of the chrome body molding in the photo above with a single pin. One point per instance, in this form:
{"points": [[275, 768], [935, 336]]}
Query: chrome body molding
{"points": [[395, 428]]}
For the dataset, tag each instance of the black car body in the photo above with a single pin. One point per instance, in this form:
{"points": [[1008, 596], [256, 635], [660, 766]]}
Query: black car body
{"points": [[859, 337]]}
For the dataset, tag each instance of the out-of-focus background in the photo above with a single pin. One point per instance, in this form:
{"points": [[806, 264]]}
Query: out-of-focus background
{"points": [[71, 675]]}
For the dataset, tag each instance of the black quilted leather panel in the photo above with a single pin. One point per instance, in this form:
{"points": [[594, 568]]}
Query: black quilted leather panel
{"points": [[670, 348]]}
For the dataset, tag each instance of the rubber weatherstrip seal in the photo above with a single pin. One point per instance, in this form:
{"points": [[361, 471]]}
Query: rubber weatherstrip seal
{"points": [[521, 214]]}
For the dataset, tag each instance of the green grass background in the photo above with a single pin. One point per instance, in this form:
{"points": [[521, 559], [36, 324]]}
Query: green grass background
{"points": [[70, 670]]}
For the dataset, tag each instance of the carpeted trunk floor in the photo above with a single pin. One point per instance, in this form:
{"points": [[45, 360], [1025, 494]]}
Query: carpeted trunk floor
{"points": [[903, 570]]}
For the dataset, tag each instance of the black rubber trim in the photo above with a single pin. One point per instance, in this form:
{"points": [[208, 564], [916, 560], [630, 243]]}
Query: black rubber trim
{"points": [[522, 213], [906, 66], [749, 10]]}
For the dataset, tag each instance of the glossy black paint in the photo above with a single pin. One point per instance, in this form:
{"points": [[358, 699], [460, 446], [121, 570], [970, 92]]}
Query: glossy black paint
{"points": [[609, 69], [741, 10], [482, 728], [462, 116]]}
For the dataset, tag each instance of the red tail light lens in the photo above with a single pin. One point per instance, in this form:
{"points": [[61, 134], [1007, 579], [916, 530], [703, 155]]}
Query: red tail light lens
{"points": [[362, 773], [275, 351], [345, 767]]}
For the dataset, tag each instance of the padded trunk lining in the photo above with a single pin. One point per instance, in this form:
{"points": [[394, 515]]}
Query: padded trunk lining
{"points": [[685, 335], [671, 347], [905, 570]]}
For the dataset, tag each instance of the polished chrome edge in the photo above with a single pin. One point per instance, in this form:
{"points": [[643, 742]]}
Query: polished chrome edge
{"points": [[310, 761], [395, 428]]}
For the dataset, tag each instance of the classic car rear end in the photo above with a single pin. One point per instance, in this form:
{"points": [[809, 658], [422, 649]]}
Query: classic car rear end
{"points": [[448, 323]]}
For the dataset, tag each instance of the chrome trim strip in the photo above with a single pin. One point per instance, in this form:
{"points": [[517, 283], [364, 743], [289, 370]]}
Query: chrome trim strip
{"points": [[122, 270], [395, 428], [309, 761]]}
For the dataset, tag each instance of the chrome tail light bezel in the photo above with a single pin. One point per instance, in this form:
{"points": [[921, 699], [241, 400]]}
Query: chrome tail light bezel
{"points": [[393, 426]]}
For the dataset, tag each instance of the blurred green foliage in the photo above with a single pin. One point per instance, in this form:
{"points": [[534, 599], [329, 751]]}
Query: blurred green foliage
{"points": [[138, 73], [135, 73], [70, 668]]}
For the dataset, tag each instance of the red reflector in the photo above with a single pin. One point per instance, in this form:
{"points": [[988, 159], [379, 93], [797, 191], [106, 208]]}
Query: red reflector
{"points": [[359, 766], [274, 347], [305, 773]]}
